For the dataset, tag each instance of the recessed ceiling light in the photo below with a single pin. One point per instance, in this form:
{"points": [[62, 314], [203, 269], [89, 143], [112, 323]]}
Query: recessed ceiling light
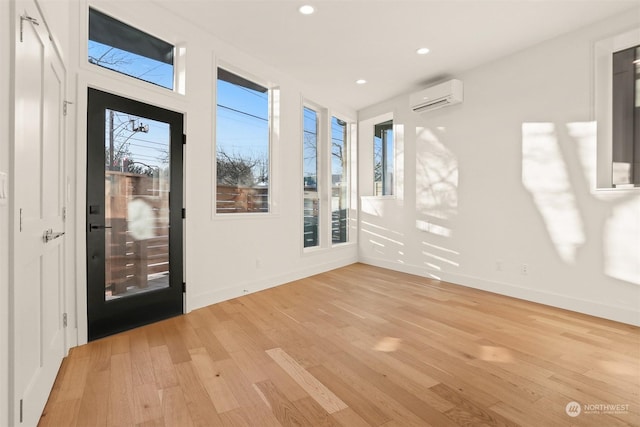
{"points": [[306, 9], [361, 81], [422, 51]]}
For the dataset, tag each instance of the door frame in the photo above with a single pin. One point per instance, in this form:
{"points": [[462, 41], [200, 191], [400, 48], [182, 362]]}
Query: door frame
{"points": [[162, 303]]}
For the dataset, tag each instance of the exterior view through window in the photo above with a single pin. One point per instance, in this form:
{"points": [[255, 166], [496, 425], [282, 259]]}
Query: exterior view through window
{"points": [[339, 181], [242, 145], [127, 50], [626, 118], [310, 177], [383, 155]]}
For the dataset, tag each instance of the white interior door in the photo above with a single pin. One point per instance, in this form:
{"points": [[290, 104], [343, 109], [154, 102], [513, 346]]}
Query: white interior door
{"points": [[38, 217]]}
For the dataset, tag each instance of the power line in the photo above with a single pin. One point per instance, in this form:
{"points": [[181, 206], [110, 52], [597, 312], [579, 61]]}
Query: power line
{"points": [[242, 112]]}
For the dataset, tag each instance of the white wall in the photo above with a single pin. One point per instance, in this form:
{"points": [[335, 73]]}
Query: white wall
{"points": [[505, 179], [226, 256], [5, 90]]}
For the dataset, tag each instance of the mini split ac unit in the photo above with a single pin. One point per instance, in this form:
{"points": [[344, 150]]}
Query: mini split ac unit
{"points": [[440, 95]]}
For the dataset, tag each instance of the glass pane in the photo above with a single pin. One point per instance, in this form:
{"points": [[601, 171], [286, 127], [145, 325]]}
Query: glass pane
{"points": [[127, 50], [389, 158], [339, 181], [383, 159], [310, 177], [136, 204], [242, 145]]}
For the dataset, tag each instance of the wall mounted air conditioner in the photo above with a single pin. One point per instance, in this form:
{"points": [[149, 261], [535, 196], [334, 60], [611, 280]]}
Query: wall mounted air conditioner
{"points": [[440, 95]]}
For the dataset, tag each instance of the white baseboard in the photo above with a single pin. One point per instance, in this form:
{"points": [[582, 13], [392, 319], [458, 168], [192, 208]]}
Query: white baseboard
{"points": [[248, 287], [592, 308]]}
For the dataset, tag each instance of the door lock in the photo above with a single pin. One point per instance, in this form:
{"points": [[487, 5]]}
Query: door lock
{"points": [[98, 227]]}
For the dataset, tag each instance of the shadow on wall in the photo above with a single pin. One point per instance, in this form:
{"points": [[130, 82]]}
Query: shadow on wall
{"points": [[560, 178], [436, 200]]}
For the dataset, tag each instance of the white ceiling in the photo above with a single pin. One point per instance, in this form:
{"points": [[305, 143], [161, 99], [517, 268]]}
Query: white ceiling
{"points": [[376, 40]]}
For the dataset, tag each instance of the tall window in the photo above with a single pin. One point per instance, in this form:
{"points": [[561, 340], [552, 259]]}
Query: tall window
{"points": [[383, 156], [339, 181], [311, 210], [127, 50], [626, 117], [242, 145]]}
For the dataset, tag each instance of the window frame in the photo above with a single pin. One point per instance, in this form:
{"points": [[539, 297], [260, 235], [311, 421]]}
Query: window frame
{"points": [[319, 174], [385, 155], [348, 163], [324, 178], [603, 51], [273, 94]]}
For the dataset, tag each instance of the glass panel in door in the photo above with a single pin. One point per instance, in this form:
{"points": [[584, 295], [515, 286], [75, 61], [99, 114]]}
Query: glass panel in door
{"points": [[137, 178]]}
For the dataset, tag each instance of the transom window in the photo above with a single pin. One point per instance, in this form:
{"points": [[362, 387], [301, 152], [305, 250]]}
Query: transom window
{"points": [[122, 48]]}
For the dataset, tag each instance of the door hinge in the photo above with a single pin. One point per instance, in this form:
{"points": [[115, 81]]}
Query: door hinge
{"points": [[23, 18], [64, 320], [20, 219], [184, 139], [64, 214], [20, 410], [184, 286], [184, 213], [65, 105]]}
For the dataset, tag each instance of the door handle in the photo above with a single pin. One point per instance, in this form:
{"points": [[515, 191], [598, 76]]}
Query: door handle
{"points": [[98, 227], [50, 235]]}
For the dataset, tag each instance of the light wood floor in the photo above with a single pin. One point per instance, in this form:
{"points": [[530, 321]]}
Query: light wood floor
{"points": [[358, 346]]}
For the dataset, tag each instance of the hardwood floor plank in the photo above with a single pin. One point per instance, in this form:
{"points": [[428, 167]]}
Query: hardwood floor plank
{"points": [[174, 408], [466, 412], [120, 408], [146, 403], [163, 368], [283, 409], [358, 403], [212, 380], [94, 406], [201, 408], [318, 391], [357, 346]]}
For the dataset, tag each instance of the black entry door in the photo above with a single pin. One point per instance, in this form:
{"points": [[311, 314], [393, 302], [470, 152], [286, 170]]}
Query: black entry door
{"points": [[134, 213]]}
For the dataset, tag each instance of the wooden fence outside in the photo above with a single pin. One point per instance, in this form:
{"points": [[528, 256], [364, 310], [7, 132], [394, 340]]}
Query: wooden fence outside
{"points": [[130, 261]]}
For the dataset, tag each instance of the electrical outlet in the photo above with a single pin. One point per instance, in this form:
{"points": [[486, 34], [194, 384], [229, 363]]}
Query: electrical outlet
{"points": [[258, 263], [524, 269], [499, 265]]}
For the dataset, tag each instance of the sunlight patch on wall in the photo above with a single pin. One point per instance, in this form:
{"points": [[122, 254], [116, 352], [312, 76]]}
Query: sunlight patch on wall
{"points": [[622, 242], [584, 134], [436, 176], [545, 176], [432, 228]]}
